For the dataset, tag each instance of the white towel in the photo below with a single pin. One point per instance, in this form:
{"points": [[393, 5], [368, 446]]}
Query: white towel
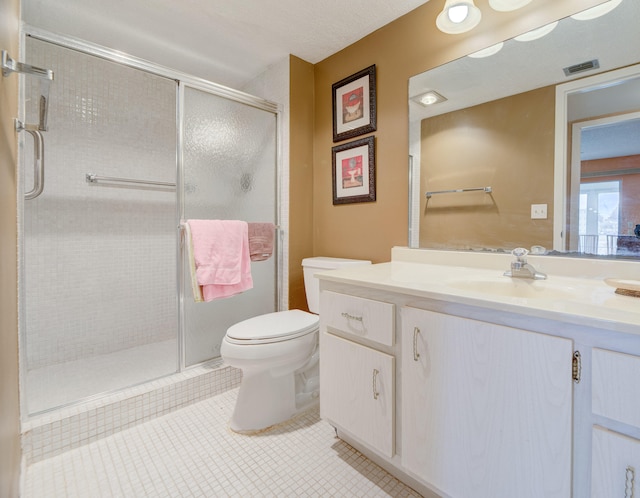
{"points": [[196, 289]]}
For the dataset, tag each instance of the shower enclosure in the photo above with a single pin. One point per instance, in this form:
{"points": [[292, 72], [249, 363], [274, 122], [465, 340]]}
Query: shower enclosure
{"points": [[132, 150]]}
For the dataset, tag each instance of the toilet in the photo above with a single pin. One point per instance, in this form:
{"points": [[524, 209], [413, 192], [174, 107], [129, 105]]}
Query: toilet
{"points": [[278, 356]]}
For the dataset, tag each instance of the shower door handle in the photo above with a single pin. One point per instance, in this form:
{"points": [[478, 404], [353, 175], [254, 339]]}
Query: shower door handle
{"points": [[38, 160]]}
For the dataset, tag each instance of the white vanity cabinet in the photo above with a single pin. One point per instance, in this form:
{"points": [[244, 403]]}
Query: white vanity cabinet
{"points": [[486, 409], [357, 384], [615, 461], [466, 394]]}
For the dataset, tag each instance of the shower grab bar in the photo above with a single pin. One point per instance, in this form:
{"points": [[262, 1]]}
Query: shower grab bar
{"points": [[487, 190], [93, 178], [38, 159]]}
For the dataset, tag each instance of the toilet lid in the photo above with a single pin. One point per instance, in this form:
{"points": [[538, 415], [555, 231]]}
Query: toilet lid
{"points": [[273, 327]]}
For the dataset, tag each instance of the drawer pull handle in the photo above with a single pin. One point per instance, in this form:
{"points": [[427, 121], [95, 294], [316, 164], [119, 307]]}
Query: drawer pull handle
{"points": [[630, 476], [416, 355], [375, 388], [352, 317]]}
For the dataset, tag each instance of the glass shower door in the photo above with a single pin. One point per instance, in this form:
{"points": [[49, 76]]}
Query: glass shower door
{"points": [[229, 172], [98, 261]]}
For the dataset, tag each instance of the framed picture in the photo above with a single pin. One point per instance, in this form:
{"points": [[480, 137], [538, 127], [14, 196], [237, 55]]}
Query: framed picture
{"points": [[354, 171], [354, 105]]}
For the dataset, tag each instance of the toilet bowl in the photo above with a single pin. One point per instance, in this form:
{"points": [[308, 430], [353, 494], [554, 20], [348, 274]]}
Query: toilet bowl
{"points": [[278, 355]]}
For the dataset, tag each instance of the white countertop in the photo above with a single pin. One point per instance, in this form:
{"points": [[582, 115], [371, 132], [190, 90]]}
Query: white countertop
{"points": [[581, 301]]}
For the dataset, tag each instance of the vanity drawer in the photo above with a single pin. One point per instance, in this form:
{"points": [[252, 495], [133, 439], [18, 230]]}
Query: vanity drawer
{"points": [[357, 316], [616, 386]]}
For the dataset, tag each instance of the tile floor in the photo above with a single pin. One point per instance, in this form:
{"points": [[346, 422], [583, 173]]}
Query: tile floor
{"points": [[192, 453]]}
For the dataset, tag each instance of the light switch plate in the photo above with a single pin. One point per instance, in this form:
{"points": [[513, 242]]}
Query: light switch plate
{"points": [[538, 211]]}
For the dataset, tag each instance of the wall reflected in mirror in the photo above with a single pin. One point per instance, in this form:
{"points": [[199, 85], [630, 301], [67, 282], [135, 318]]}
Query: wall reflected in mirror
{"points": [[571, 185]]}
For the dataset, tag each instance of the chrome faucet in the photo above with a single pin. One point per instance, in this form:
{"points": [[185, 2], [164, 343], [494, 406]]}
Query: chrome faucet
{"points": [[521, 269]]}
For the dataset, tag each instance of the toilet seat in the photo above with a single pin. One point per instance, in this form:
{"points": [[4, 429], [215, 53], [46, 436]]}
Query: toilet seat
{"points": [[273, 327]]}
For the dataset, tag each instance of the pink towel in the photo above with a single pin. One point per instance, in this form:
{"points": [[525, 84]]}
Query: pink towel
{"points": [[261, 237], [221, 256]]}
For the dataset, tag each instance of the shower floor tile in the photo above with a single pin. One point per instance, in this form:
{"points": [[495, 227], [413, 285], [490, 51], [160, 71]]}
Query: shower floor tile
{"points": [[58, 385], [192, 453]]}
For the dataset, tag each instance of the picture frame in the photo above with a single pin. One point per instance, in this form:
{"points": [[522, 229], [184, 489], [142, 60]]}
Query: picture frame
{"points": [[354, 171], [354, 105]]}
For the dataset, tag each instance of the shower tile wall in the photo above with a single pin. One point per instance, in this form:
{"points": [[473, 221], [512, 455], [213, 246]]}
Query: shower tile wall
{"points": [[99, 262]]}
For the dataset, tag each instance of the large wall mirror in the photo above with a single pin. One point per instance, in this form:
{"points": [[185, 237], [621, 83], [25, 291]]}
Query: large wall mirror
{"points": [[534, 142]]}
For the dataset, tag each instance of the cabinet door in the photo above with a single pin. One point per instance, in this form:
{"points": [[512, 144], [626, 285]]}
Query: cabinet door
{"points": [[616, 386], [357, 387], [616, 459], [486, 409]]}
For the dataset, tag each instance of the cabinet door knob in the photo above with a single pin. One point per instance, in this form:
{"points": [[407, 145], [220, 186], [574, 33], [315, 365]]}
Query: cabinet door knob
{"points": [[416, 355], [375, 388], [629, 479]]}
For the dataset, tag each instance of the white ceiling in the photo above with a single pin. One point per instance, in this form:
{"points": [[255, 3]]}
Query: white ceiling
{"points": [[225, 41]]}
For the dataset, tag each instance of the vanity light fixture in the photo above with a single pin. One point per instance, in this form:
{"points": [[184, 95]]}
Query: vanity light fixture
{"points": [[458, 16], [487, 52], [597, 11], [507, 5], [534, 34], [429, 98]]}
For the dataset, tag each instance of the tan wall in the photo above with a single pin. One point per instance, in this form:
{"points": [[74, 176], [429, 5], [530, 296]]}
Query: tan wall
{"points": [[300, 176], [509, 145], [401, 49], [9, 400]]}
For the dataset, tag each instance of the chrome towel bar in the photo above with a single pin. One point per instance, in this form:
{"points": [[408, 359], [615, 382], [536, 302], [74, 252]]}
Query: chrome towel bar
{"points": [[486, 190], [93, 178], [182, 224]]}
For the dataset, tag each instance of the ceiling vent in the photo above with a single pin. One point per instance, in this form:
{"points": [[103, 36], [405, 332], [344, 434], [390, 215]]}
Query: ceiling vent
{"points": [[580, 68]]}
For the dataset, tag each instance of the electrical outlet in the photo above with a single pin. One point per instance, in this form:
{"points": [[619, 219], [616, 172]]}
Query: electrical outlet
{"points": [[538, 211]]}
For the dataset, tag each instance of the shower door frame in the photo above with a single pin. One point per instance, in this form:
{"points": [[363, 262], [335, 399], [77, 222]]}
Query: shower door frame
{"points": [[182, 80]]}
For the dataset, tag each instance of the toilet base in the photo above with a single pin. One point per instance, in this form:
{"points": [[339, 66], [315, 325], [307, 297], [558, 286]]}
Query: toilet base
{"points": [[265, 400]]}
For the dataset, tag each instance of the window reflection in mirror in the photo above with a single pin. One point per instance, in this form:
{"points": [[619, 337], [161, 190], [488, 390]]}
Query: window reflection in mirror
{"points": [[604, 162]]}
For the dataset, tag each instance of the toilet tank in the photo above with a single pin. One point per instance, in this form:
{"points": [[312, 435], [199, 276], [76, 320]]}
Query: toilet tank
{"points": [[312, 285]]}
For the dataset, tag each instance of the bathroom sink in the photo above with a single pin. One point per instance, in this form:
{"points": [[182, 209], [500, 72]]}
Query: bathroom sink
{"points": [[514, 287]]}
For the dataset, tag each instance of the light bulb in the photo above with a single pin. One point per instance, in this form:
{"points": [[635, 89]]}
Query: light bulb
{"points": [[458, 13], [534, 34], [487, 52], [597, 11], [458, 16], [507, 5], [429, 99]]}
